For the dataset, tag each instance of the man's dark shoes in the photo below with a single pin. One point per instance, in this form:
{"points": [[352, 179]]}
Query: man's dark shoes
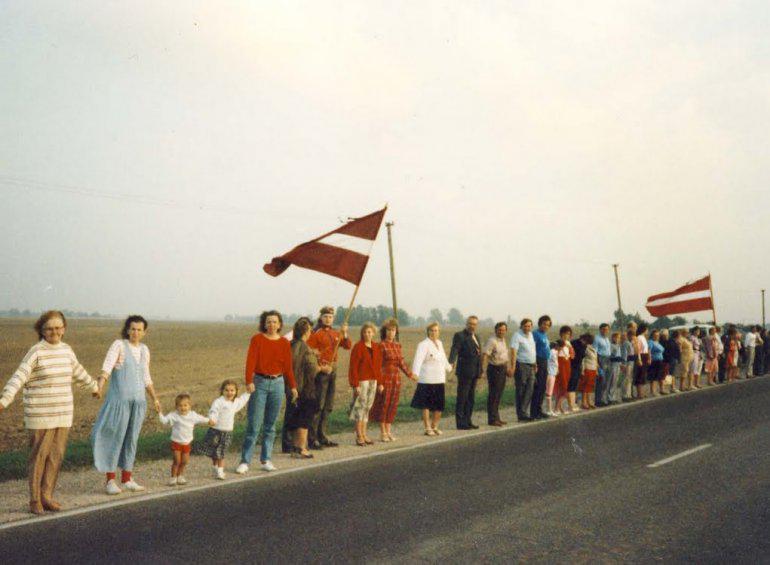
{"points": [[329, 443], [315, 444]]}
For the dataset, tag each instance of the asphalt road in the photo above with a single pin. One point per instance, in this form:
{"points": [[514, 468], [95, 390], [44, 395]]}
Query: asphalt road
{"points": [[575, 490]]}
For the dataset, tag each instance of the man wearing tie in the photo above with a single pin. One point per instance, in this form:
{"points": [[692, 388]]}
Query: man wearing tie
{"points": [[466, 351]]}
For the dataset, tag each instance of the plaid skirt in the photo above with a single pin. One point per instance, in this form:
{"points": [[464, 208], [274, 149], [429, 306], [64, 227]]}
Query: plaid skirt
{"points": [[215, 443]]}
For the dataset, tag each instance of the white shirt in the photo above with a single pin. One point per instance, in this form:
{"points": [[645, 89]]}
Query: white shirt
{"points": [[524, 346], [116, 355], [643, 346], [751, 340], [553, 362], [223, 411], [182, 425], [430, 362]]}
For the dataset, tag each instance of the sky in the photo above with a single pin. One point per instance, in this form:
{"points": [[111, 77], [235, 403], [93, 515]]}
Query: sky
{"points": [[155, 154]]}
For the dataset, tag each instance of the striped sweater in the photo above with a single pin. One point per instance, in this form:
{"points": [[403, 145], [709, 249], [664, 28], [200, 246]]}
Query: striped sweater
{"points": [[46, 374]]}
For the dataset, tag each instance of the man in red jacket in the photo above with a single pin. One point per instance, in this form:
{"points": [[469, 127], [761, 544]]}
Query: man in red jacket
{"points": [[324, 341]]}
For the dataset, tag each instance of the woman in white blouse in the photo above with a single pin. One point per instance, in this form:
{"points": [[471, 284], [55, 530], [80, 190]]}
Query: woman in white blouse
{"points": [[431, 366], [120, 418]]}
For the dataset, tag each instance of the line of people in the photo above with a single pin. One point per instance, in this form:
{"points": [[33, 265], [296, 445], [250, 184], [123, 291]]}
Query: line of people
{"points": [[604, 369]]}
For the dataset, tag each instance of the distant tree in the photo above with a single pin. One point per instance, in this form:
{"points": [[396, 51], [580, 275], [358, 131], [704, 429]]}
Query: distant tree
{"points": [[584, 324], [420, 322], [663, 322], [455, 317], [487, 323], [404, 318], [436, 316], [679, 321]]}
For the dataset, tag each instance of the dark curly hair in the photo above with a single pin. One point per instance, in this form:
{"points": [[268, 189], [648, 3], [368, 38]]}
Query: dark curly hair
{"points": [[263, 319], [132, 319]]}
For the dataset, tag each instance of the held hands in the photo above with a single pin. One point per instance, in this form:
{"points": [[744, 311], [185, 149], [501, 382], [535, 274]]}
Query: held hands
{"points": [[156, 404], [294, 395], [381, 388], [250, 388], [356, 391], [344, 330], [325, 368]]}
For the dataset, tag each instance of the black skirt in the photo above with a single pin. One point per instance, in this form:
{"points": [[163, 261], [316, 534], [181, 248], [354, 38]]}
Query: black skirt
{"points": [[301, 414], [215, 443], [430, 397], [655, 372]]}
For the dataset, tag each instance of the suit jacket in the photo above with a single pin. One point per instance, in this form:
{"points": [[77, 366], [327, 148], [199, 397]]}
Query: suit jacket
{"points": [[467, 352], [363, 365]]}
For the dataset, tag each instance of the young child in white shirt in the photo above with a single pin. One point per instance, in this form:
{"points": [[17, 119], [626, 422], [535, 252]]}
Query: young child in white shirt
{"points": [[553, 370], [182, 421], [220, 434]]}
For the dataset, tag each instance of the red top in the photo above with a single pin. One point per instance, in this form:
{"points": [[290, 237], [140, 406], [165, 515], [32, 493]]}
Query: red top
{"points": [[324, 339], [269, 357], [392, 361], [365, 364]]}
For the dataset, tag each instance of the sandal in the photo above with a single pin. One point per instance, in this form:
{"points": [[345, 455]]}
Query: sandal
{"points": [[430, 432], [437, 431]]}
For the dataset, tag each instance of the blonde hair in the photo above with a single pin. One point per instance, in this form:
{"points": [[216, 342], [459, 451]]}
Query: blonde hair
{"points": [[430, 326], [367, 325]]}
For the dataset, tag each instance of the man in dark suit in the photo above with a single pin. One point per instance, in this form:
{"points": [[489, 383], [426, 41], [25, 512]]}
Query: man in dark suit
{"points": [[466, 351]]}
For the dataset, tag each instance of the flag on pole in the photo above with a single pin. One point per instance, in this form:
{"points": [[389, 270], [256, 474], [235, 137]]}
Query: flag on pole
{"points": [[342, 253], [692, 297]]}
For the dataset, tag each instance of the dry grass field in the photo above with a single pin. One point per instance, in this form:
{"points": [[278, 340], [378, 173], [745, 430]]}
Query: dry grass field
{"points": [[186, 356]]}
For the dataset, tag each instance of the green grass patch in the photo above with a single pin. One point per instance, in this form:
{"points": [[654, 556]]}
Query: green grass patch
{"points": [[13, 464]]}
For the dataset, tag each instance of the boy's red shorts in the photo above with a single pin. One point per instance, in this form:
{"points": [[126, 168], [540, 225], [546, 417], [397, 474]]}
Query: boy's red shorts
{"points": [[183, 447]]}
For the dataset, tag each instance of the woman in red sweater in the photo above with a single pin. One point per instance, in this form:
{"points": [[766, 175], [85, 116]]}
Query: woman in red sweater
{"points": [[364, 373], [268, 369]]}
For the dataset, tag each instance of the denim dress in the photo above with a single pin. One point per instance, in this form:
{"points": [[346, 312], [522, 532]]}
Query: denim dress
{"points": [[120, 418]]}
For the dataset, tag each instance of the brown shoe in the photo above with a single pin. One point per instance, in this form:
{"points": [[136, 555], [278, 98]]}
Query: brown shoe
{"points": [[36, 508], [501, 422], [51, 505]]}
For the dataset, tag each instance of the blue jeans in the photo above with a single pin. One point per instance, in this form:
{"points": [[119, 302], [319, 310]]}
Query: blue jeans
{"points": [[261, 414]]}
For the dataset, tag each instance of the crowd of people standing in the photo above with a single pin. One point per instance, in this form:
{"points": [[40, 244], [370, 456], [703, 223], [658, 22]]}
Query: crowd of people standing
{"points": [[300, 369]]}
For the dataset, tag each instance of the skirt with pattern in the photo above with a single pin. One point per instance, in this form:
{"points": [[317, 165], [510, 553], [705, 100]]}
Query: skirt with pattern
{"points": [[215, 443]]}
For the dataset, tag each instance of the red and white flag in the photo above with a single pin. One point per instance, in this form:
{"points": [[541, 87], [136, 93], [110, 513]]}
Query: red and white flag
{"points": [[692, 297], [342, 253]]}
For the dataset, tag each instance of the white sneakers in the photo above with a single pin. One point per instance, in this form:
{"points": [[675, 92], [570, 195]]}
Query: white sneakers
{"points": [[172, 482], [220, 473], [133, 486], [180, 480], [243, 468], [112, 487], [268, 466]]}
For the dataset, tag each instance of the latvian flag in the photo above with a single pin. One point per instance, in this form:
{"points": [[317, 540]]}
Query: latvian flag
{"points": [[692, 297], [342, 253]]}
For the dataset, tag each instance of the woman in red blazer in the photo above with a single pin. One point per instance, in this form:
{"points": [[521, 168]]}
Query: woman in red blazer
{"points": [[364, 373]]}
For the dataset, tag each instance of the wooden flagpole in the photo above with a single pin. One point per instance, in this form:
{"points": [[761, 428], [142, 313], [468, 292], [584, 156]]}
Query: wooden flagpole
{"points": [[713, 303]]}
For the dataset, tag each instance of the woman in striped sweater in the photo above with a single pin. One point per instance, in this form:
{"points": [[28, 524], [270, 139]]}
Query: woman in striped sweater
{"points": [[46, 374]]}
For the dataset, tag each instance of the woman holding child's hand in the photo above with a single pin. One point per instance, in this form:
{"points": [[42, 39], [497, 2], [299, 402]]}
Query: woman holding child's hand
{"points": [[268, 370]]}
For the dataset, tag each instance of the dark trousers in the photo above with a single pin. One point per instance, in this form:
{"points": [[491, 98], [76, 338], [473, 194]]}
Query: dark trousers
{"points": [[466, 397], [539, 392], [287, 440], [524, 379], [722, 368], [325, 386], [496, 380]]}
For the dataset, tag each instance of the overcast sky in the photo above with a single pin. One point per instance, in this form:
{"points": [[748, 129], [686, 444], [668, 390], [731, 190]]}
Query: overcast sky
{"points": [[155, 154]]}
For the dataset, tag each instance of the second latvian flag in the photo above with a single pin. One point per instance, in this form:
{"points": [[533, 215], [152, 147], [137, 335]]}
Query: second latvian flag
{"points": [[692, 297], [342, 253]]}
